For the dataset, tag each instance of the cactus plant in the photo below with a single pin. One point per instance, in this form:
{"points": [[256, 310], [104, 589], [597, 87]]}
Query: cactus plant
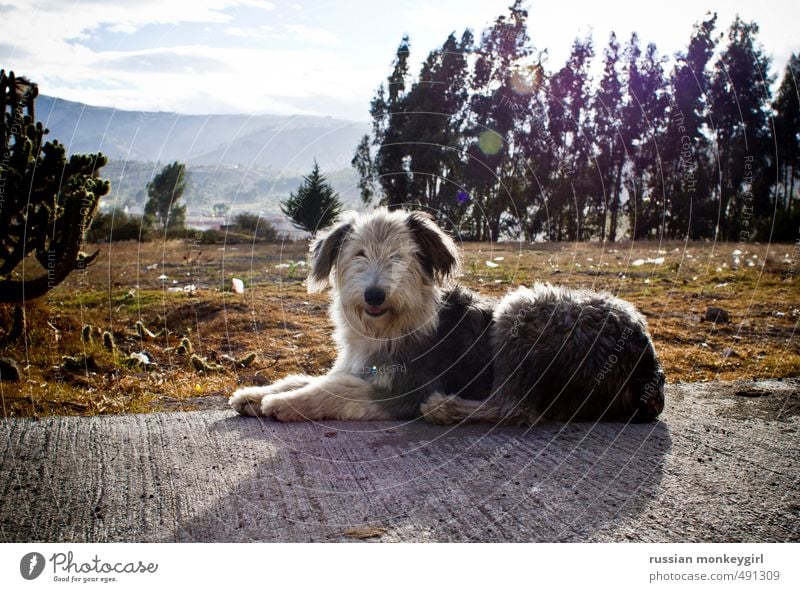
{"points": [[46, 201]]}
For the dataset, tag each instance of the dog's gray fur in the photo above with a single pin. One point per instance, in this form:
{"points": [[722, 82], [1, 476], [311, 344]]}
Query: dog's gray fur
{"points": [[437, 351]]}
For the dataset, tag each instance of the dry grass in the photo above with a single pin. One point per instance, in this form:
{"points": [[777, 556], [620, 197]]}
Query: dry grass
{"points": [[290, 332]]}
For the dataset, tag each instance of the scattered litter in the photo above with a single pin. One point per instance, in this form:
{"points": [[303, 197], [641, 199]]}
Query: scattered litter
{"points": [[499, 258], [189, 289], [491, 264], [140, 357], [152, 267], [237, 286], [736, 253], [656, 261], [139, 360], [163, 277]]}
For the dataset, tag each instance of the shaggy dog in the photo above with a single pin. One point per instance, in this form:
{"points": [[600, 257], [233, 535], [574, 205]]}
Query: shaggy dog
{"points": [[412, 344]]}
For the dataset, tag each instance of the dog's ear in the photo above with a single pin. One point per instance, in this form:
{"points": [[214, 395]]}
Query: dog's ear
{"points": [[437, 253], [324, 253]]}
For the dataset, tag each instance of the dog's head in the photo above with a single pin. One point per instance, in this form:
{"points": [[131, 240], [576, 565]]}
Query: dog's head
{"points": [[385, 268]]}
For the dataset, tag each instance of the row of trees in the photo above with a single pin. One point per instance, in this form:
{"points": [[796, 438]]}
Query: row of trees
{"points": [[494, 144]]}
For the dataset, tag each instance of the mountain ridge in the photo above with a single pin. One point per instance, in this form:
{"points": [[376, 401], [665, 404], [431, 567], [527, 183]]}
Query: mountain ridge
{"points": [[287, 143]]}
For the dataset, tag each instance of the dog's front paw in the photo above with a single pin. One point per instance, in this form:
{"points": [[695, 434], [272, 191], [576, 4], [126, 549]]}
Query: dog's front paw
{"points": [[247, 401], [282, 408], [437, 410]]}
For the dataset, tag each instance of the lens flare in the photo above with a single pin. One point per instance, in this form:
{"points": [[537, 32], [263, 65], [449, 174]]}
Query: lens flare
{"points": [[490, 142]]}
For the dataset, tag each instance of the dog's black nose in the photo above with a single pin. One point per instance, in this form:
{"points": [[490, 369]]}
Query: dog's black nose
{"points": [[374, 296]]}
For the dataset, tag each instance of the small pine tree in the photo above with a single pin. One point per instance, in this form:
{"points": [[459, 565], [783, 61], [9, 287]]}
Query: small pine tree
{"points": [[315, 205], [163, 192]]}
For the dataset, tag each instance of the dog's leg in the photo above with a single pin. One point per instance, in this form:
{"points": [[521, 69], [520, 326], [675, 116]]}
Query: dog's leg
{"points": [[247, 401], [334, 396], [443, 410]]}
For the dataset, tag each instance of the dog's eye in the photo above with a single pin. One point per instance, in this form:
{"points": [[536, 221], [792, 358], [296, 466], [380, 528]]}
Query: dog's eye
{"points": [[397, 257], [361, 253]]}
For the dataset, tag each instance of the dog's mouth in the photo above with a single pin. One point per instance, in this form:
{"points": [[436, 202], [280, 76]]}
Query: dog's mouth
{"points": [[375, 311]]}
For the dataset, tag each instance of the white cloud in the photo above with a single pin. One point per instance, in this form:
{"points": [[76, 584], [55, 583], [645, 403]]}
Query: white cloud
{"points": [[263, 4], [126, 28], [314, 35], [260, 32]]}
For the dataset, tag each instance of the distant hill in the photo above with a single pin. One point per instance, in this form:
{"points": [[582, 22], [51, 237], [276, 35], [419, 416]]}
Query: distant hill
{"points": [[285, 144]]}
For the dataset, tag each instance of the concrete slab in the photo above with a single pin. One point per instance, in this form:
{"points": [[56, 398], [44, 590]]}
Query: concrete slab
{"points": [[722, 465]]}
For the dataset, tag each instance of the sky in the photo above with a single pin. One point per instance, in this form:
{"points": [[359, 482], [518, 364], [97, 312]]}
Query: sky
{"points": [[307, 56]]}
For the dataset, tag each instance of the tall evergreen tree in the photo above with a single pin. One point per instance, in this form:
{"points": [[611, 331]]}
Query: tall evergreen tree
{"points": [[610, 151], [568, 112], [740, 97], [432, 126], [315, 206], [685, 148], [787, 139], [633, 126], [387, 109], [365, 167], [648, 98], [496, 168]]}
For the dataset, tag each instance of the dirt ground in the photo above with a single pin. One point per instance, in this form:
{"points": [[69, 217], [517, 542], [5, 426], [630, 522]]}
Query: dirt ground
{"points": [[180, 291]]}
